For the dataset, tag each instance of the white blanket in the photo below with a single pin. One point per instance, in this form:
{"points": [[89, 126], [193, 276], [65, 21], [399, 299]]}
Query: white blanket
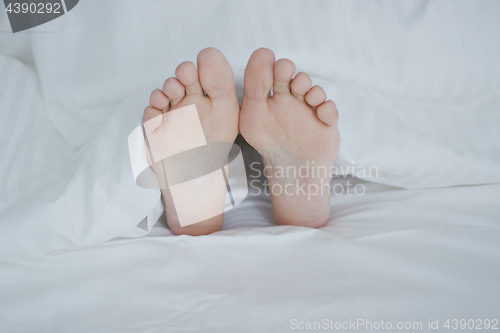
{"points": [[417, 85], [418, 88]]}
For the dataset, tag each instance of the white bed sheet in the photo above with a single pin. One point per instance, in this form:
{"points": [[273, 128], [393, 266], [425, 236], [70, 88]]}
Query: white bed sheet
{"points": [[393, 255]]}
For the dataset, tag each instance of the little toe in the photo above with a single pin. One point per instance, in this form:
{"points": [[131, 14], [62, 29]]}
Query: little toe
{"points": [[284, 70], [300, 85], [159, 100], [187, 74], [328, 113], [215, 73], [151, 113], [315, 96], [174, 90], [259, 75]]}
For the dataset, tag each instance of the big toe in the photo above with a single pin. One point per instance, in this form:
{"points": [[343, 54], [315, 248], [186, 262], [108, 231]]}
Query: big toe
{"points": [[216, 75], [259, 75]]}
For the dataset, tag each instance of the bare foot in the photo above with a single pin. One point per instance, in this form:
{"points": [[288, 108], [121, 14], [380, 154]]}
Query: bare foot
{"points": [[296, 127], [218, 112]]}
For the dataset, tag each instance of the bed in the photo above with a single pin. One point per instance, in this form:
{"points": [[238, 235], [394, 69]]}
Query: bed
{"points": [[398, 256], [417, 248]]}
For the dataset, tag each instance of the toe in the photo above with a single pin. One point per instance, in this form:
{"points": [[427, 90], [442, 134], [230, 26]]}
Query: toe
{"points": [[174, 90], [158, 100], [259, 74], [300, 85], [283, 74], [315, 96], [327, 113], [151, 120], [151, 113], [187, 74], [216, 75]]}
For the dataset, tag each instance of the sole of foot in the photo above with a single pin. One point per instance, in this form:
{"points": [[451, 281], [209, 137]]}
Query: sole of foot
{"points": [[209, 86], [295, 127]]}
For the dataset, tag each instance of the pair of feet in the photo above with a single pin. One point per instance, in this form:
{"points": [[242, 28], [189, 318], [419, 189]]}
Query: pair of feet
{"points": [[295, 127]]}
